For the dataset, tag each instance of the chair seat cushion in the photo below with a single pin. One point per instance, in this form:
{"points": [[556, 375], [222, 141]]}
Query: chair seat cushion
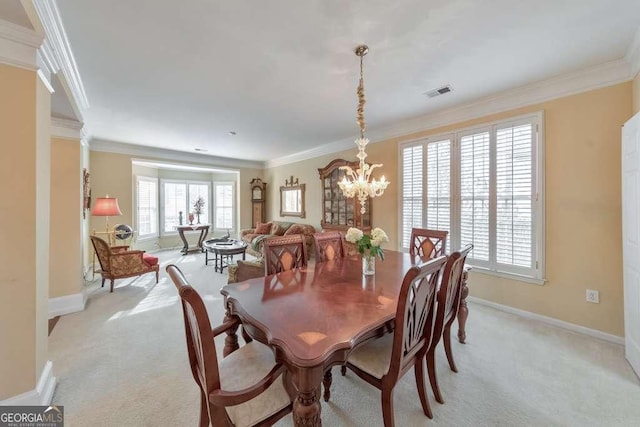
{"points": [[243, 368], [374, 356], [150, 260]]}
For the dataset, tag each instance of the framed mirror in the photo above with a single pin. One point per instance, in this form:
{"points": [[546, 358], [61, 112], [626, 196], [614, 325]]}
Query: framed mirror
{"points": [[292, 198]]}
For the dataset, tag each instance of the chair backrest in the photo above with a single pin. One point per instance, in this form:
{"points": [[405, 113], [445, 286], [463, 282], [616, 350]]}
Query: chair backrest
{"points": [[414, 315], [284, 253], [202, 351], [450, 290], [102, 251], [428, 243], [328, 245]]}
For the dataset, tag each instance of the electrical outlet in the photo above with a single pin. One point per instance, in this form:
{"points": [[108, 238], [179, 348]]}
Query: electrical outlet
{"points": [[593, 296]]}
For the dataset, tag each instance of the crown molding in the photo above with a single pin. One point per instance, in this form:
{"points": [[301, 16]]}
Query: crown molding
{"points": [[65, 128], [49, 15], [599, 76], [144, 151], [633, 54], [18, 45]]}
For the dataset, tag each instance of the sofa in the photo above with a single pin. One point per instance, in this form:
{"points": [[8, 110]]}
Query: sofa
{"points": [[254, 237]]}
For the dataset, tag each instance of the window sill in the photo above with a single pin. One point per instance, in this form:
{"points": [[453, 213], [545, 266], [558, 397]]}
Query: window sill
{"points": [[517, 277]]}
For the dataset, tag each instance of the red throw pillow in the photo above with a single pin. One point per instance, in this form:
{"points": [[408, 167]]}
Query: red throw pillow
{"points": [[263, 228]]}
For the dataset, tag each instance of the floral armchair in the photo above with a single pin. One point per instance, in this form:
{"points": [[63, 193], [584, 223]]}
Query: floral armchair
{"points": [[118, 262]]}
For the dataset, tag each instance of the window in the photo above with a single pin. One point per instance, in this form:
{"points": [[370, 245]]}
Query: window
{"points": [[180, 196], [147, 206], [223, 209], [484, 186]]}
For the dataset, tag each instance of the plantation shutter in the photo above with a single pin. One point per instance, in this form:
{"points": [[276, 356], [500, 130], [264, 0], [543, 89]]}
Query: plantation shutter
{"points": [[439, 186], [412, 191], [514, 194], [175, 198], [147, 209], [474, 194], [224, 206]]}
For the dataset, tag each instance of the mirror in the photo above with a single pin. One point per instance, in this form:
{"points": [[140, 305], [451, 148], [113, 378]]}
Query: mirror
{"points": [[292, 199]]}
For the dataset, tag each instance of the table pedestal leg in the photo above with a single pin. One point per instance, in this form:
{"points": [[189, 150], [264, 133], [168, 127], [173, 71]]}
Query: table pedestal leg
{"points": [[463, 310], [231, 340], [326, 382], [306, 410], [185, 247]]}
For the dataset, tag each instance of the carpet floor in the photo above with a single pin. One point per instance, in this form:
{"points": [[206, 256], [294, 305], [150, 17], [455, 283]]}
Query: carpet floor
{"points": [[123, 362]]}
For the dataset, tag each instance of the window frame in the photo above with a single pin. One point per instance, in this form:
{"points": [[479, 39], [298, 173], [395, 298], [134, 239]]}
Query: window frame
{"points": [[187, 182], [215, 206], [534, 275], [155, 234]]}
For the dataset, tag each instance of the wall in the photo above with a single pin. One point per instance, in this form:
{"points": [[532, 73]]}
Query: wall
{"points": [[636, 94], [583, 207], [65, 272], [24, 229]]}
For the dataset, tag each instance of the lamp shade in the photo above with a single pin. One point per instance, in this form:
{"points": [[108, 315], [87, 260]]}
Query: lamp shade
{"points": [[106, 206]]}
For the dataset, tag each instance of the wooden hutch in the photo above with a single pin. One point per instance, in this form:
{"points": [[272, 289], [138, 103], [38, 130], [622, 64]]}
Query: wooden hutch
{"points": [[339, 212]]}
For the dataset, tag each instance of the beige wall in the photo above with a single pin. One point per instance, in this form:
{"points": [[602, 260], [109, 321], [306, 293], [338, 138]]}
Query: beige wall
{"points": [[65, 272], [583, 217], [636, 94], [24, 229]]}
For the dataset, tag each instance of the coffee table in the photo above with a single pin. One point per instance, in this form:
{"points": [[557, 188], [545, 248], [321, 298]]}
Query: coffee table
{"points": [[222, 251]]}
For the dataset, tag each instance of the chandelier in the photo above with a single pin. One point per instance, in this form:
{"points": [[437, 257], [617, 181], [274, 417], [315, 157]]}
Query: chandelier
{"points": [[359, 182]]}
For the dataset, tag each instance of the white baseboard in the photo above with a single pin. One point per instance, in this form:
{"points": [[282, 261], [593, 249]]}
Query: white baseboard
{"points": [[551, 321], [41, 395], [67, 304]]}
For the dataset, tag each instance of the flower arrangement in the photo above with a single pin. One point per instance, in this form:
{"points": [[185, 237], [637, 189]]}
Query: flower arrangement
{"points": [[368, 244], [198, 206]]}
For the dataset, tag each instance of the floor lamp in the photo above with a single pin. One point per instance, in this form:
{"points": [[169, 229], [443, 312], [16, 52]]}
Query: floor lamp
{"points": [[106, 207]]}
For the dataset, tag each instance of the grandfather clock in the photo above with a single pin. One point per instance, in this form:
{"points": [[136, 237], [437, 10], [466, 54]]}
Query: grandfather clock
{"points": [[258, 201]]}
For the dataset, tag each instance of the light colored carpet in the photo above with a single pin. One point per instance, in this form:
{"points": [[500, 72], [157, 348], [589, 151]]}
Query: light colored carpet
{"points": [[123, 362]]}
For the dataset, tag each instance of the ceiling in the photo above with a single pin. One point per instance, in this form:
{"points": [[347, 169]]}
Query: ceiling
{"points": [[282, 74]]}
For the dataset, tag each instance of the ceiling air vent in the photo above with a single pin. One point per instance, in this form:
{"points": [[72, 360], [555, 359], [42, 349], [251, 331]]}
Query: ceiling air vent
{"points": [[437, 92]]}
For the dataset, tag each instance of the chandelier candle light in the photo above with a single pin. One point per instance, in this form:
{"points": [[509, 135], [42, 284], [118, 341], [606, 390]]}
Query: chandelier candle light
{"points": [[359, 182]]}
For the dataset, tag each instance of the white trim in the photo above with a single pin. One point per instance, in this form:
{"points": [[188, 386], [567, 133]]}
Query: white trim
{"points": [[172, 155], [550, 321], [599, 76], [214, 204], [155, 234], [65, 128], [47, 65], [18, 45], [54, 29], [633, 54], [505, 275], [41, 395], [67, 304]]}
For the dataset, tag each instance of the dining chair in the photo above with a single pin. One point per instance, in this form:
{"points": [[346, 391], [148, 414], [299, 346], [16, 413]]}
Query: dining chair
{"points": [[246, 388], [428, 243], [284, 253], [447, 308], [329, 245], [383, 361]]}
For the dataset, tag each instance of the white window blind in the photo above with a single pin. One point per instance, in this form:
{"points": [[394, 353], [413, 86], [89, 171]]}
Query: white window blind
{"points": [[514, 192], [147, 206], [439, 185], [223, 210], [484, 186], [180, 196], [474, 194], [412, 193]]}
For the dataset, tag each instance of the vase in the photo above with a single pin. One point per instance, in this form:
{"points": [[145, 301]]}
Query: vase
{"points": [[368, 264], [198, 215]]}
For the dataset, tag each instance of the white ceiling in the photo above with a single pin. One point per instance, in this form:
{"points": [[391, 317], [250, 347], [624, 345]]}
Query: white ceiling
{"points": [[282, 74]]}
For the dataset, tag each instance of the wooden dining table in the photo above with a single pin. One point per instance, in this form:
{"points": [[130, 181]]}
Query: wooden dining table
{"points": [[314, 316]]}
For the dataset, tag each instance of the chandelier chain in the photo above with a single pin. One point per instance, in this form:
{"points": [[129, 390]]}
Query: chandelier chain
{"points": [[361, 101]]}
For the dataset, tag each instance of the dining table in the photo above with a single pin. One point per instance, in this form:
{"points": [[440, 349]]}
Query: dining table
{"points": [[313, 317]]}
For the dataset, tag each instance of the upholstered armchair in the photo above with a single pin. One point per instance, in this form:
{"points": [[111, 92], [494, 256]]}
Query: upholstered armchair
{"points": [[119, 262]]}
